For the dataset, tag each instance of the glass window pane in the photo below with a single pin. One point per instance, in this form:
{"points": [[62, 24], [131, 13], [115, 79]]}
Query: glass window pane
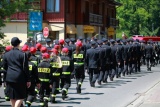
{"points": [[50, 5], [57, 6]]}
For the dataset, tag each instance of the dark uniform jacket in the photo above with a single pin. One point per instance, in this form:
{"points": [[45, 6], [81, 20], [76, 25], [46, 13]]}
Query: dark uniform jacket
{"points": [[33, 73], [148, 51], [125, 52], [35, 59], [44, 72], [70, 50], [73, 46], [67, 66], [15, 63], [102, 56], [92, 58], [119, 53], [107, 53], [113, 55]]}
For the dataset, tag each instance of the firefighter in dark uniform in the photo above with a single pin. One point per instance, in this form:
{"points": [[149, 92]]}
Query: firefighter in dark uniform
{"points": [[56, 64], [38, 52], [83, 48], [67, 68], [148, 54], [113, 59], [125, 57], [72, 44], [139, 55], [108, 60], [69, 48], [25, 48], [33, 73], [143, 44], [43, 50], [44, 75], [48, 44], [92, 63], [88, 45], [130, 56], [79, 59], [102, 61], [3, 72], [119, 59]]}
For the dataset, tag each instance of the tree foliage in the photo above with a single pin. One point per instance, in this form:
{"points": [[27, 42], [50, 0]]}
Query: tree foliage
{"points": [[7, 8], [139, 17]]}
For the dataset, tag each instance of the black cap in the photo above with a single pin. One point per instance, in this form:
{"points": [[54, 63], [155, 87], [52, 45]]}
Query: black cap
{"points": [[15, 41], [112, 41], [118, 40], [73, 39], [100, 42], [93, 42], [80, 38], [56, 42], [104, 39], [67, 40], [124, 41]]}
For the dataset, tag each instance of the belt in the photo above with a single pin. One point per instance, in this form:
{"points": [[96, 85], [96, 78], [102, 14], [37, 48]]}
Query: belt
{"points": [[78, 63], [56, 74], [66, 73], [44, 80]]}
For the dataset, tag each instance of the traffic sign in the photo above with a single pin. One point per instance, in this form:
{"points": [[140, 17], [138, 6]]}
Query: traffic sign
{"points": [[35, 22], [46, 32]]}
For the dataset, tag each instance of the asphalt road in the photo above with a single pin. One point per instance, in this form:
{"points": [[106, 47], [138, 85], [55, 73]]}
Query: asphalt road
{"points": [[119, 93]]}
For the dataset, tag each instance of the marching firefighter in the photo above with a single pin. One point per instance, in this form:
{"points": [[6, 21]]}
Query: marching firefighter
{"points": [[44, 75], [93, 63], [67, 68], [56, 64], [33, 73], [79, 59]]}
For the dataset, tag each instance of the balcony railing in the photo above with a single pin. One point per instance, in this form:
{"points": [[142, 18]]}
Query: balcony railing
{"points": [[93, 19], [113, 22]]}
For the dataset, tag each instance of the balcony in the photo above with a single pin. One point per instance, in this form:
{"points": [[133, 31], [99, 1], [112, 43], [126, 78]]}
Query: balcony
{"points": [[113, 22], [93, 19]]}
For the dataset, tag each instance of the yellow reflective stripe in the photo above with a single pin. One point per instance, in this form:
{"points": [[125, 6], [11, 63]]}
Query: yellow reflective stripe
{"points": [[35, 62], [6, 98], [79, 63], [65, 89], [78, 56], [44, 80], [28, 102], [44, 70], [66, 73], [55, 65], [2, 68], [1, 60], [46, 98], [30, 67], [65, 62], [56, 74], [41, 104], [79, 83], [53, 95], [4, 88], [37, 55], [37, 90]]}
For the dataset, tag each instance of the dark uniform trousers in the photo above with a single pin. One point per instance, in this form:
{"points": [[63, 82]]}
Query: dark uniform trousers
{"points": [[31, 93], [44, 92], [80, 75], [125, 70], [113, 70], [148, 59], [93, 75]]}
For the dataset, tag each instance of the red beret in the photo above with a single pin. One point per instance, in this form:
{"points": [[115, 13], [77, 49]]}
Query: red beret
{"points": [[79, 43], [33, 50], [43, 49], [56, 47], [54, 51], [45, 56], [61, 41], [8, 48], [38, 46], [65, 50], [25, 48]]}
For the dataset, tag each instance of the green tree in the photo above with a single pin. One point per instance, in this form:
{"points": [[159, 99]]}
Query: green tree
{"points": [[139, 16], [7, 8]]}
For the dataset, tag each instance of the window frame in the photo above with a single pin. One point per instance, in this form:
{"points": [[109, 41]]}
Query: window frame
{"points": [[54, 4]]}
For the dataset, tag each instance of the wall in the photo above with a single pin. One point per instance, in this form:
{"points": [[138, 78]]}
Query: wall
{"points": [[16, 30]]}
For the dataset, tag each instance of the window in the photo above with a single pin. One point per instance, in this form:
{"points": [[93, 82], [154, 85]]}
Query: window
{"points": [[53, 5]]}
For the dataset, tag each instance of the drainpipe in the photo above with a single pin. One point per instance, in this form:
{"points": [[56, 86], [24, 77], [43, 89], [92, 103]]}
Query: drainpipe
{"points": [[76, 16]]}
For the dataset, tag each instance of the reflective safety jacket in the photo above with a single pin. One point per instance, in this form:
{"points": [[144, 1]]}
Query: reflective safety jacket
{"points": [[67, 66], [44, 71], [78, 59], [33, 72]]}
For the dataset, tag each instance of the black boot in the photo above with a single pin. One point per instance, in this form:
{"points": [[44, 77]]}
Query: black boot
{"points": [[63, 94], [53, 100], [78, 89], [45, 103]]}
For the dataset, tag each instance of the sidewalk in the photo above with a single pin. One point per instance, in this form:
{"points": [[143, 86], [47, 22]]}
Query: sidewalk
{"points": [[149, 99]]}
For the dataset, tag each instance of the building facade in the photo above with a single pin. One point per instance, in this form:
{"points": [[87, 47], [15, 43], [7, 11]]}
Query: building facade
{"points": [[69, 18]]}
